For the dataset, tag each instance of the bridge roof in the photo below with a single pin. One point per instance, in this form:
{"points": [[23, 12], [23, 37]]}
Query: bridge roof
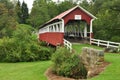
{"points": [[62, 15]]}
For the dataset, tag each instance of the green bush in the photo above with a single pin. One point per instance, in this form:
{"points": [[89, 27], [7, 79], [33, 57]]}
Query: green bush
{"points": [[45, 53], [115, 38], [68, 64], [23, 46]]}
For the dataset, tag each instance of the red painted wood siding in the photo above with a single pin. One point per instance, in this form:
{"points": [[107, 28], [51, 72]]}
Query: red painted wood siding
{"points": [[53, 38], [71, 16]]}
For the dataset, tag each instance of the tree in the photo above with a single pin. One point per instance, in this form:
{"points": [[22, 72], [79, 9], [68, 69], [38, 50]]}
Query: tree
{"points": [[25, 15], [65, 6], [7, 20], [52, 9], [106, 27], [39, 13], [18, 12]]}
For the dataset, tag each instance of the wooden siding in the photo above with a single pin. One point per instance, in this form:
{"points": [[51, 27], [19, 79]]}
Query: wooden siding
{"points": [[53, 38]]}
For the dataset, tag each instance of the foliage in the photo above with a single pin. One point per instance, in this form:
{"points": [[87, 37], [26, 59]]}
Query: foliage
{"points": [[18, 11], [23, 46], [68, 64], [39, 13], [21, 12], [7, 19], [65, 6], [116, 38], [25, 14]]}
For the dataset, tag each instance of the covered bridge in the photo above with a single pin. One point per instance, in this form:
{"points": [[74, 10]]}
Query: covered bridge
{"points": [[67, 24]]}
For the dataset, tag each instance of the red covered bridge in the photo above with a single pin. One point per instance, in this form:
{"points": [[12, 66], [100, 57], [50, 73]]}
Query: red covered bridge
{"points": [[58, 28]]}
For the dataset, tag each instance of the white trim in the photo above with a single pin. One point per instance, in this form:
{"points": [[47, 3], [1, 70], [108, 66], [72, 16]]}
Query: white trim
{"points": [[91, 27], [62, 25]]}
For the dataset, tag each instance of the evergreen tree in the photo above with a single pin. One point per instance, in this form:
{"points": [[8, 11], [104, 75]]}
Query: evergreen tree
{"points": [[18, 12], [25, 13]]}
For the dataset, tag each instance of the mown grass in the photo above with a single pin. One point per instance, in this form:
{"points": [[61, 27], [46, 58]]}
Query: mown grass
{"points": [[112, 72], [24, 71], [78, 47]]}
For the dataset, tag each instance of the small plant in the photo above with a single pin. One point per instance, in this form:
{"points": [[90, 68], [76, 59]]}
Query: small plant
{"points": [[68, 64]]}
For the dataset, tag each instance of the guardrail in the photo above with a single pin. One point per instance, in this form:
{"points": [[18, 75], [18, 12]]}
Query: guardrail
{"points": [[68, 45], [105, 43]]}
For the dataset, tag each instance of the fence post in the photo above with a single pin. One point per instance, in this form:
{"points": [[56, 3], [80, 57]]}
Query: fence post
{"points": [[108, 43], [98, 42], [118, 47], [90, 41]]}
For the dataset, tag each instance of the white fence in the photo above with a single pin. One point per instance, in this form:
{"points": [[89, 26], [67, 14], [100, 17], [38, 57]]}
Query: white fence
{"points": [[105, 43], [68, 45]]}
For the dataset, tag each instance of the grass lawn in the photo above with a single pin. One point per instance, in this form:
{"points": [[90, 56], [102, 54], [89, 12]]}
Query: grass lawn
{"points": [[112, 72], [78, 47], [24, 70]]}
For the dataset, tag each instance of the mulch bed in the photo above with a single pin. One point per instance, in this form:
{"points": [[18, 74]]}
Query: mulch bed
{"points": [[51, 76]]}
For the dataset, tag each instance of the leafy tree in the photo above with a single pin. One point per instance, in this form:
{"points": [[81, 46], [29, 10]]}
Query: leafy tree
{"points": [[7, 20], [65, 6], [39, 13], [107, 24], [8, 4], [52, 9]]}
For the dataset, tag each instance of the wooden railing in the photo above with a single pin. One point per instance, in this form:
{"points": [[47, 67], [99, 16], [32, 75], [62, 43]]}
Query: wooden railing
{"points": [[105, 43], [68, 45]]}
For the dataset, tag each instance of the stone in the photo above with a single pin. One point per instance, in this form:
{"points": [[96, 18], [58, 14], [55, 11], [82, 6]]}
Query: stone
{"points": [[111, 50], [90, 57]]}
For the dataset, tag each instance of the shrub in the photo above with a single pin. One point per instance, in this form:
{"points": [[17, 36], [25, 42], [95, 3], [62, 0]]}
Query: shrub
{"points": [[45, 53], [68, 64], [115, 38], [23, 46]]}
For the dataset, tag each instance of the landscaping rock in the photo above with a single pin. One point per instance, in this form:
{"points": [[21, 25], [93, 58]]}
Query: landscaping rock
{"points": [[111, 50], [90, 58]]}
